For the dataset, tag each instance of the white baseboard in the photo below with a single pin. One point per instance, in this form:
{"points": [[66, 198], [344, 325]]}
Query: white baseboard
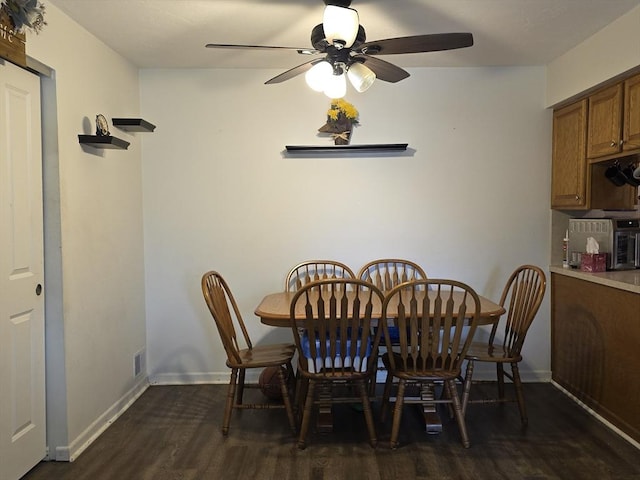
{"points": [[104, 421], [199, 378], [597, 416]]}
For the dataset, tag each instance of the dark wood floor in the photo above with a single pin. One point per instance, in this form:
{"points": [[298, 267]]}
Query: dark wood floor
{"points": [[173, 432]]}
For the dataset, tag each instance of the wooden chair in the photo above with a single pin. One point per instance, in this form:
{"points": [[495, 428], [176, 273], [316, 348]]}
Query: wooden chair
{"points": [[219, 298], [385, 274], [431, 347], [331, 325], [521, 298], [314, 270]]}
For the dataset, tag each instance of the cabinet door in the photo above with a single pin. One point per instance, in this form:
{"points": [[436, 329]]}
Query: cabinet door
{"points": [[569, 169], [605, 122], [595, 335], [632, 113]]}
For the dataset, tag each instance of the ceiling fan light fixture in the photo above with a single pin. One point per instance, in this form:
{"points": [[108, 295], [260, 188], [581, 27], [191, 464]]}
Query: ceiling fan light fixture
{"points": [[319, 75], [361, 76], [340, 25], [336, 86]]}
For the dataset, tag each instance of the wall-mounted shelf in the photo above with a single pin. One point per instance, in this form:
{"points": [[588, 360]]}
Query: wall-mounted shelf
{"points": [[98, 141], [383, 147], [133, 124]]}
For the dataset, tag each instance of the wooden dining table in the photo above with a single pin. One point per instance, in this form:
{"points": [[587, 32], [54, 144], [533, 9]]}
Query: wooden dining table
{"points": [[275, 310]]}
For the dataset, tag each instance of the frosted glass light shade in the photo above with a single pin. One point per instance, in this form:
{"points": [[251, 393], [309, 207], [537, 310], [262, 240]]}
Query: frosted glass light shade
{"points": [[319, 75], [336, 86], [361, 76], [340, 23]]}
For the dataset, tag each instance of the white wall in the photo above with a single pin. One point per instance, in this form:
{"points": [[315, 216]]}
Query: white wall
{"points": [[93, 246], [612, 51], [469, 200]]}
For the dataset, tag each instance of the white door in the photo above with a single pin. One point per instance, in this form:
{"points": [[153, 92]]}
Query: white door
{"points": [[22, 387]]}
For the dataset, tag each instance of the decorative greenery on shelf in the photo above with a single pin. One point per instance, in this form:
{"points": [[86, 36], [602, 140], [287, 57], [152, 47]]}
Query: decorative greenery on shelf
{"points": [[25, 14], [341, 118]]}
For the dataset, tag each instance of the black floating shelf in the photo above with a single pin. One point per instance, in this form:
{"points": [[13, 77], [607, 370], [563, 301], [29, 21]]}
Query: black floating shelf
{"points": [[348, 148], [98, 141], [133, 124]]}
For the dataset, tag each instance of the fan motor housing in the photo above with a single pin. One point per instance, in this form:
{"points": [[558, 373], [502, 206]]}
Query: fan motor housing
{"points": [[320, 43], [338, 3]]}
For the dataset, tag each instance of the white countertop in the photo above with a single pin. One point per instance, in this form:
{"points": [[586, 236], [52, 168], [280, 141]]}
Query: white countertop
{"points": [[622, 279]]}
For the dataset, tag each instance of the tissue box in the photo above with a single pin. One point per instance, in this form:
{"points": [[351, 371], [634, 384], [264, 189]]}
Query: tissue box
{"points": [[593, 262]]}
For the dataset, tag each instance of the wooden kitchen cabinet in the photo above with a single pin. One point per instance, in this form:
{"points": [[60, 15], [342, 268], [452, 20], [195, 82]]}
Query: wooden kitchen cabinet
{"points": [[614, 120], [631, 134], [605, 122], [569, 169], [595, 333], [576, 182]]}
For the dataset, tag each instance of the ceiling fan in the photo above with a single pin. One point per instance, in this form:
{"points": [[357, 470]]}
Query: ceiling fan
{"points": [[342, 41]]}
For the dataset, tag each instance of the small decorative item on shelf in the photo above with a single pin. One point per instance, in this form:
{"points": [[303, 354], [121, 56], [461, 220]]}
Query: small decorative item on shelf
{"points": [[341, 118], [24, 14], [102, 127]]}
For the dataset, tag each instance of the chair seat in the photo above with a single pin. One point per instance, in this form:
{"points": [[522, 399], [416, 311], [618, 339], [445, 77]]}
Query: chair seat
{"points": [[265, 356], [409, 371], [482, 352]]}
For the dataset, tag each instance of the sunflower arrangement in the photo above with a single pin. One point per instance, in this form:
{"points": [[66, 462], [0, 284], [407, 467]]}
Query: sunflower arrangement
{"points": [[341, 118], [25, 14], [342, 110]]}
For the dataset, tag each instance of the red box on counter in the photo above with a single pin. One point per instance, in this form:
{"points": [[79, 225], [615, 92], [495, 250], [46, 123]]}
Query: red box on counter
{"points": [[593, 262]]}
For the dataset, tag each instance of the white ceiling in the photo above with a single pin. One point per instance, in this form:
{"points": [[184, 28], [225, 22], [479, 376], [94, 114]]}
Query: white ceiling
{"points": [[173, 33]]}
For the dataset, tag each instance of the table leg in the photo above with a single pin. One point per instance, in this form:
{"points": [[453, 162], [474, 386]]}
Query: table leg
{"points": [[432, 420], [324, 422]]}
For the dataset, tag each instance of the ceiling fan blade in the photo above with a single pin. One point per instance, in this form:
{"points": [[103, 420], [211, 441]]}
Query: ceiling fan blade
{"points": [[289, 74], [418, 43], [385, 71], [303, 51]]}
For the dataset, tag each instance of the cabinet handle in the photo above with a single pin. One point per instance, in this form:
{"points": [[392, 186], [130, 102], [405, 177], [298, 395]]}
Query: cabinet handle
{"points": [[577, 197], [613, 143]]}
